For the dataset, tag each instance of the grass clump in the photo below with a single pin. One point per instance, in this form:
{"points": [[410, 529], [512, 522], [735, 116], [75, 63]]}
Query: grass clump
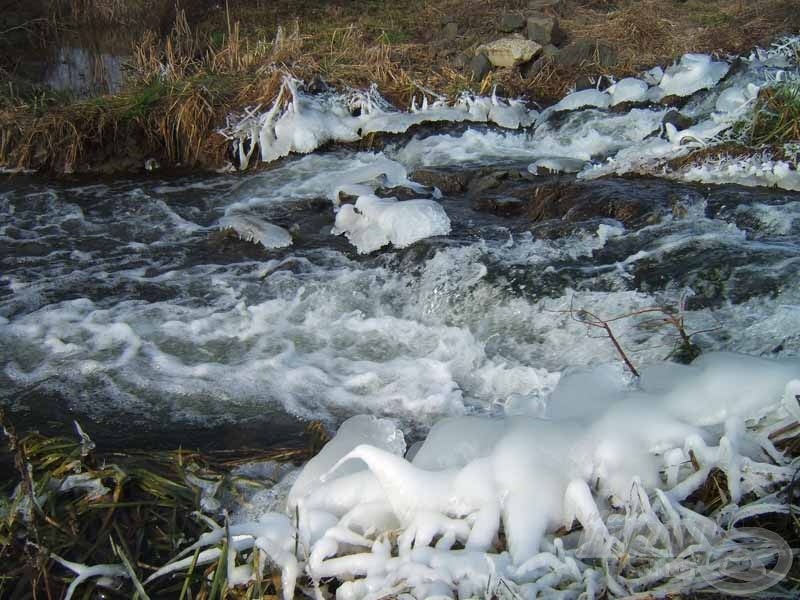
{"points": [[776, 116], [66, 505]]}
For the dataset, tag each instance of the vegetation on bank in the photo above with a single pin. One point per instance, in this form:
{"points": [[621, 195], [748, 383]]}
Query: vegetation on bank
{"points": [[65, 503], [190, 67], [78, 522]]}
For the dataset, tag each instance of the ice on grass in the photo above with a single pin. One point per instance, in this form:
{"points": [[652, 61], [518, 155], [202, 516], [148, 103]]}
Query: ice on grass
{"points": [[300, 123], [372, 222], [616, 457]]}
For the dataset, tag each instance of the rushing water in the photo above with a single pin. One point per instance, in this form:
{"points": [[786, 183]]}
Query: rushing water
{"points": [[123, 306]]}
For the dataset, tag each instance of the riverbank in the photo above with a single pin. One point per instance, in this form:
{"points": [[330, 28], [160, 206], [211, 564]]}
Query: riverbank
{"points": [[184, 82]]}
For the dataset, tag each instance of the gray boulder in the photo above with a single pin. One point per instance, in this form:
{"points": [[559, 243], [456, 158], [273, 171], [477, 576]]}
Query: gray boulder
{"points": [[585, 52], [545, 30], [511, 23], [479, 67]]}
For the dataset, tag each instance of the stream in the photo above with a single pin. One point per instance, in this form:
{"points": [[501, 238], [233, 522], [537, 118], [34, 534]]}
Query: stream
{"points": [[123, 306]]}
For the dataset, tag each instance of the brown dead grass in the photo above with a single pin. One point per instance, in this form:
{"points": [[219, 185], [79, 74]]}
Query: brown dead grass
{"points": [[234, 56]]}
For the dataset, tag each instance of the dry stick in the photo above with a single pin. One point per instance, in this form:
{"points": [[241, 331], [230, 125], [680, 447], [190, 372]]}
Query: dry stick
{"points": [[604, 324]]}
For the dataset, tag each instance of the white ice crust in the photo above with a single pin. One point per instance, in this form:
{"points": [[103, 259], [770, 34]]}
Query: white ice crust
{"points": [[373, 222], [610, 456], [254, 229]]}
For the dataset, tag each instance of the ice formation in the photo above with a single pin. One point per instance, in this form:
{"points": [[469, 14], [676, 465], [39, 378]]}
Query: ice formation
{"points": [[694, 72], [482, 499], [301, 123], [253, 229], [373, 222]]}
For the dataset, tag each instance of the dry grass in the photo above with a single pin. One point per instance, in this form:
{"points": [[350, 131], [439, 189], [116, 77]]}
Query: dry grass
{"points": [[217, 59], [138, 506]]}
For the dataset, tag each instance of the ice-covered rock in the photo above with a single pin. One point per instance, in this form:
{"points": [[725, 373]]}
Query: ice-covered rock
{"points": [[254, 229], [694, 72], [376, 222], [582, 99], [629, 89]]}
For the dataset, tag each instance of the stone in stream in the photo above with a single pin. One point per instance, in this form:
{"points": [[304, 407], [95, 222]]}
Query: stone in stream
{"points": [[509, 51], [545, 30], [448, 182], [677, 119]]}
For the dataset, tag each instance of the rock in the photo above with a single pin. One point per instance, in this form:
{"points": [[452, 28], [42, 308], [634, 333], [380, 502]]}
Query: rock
{"points": [[532, 69], [401, 193], [489, 181], [584, 82], [511, 23], [345, 198], [479, 67], [448, 182], [317, 85], [678, 119], [510, 51], [545, 30], [548, 7], [447, 19], [503, 206], [450, 31], [585, 52], [461, 61]]}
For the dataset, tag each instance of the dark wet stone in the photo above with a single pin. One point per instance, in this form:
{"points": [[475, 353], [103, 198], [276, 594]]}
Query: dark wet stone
{"points": [[503, 206], [402, 193], [511, 23], [479, 67], [449, 182], [317, 85], [679, 120], [484, 183], [345, 198]]}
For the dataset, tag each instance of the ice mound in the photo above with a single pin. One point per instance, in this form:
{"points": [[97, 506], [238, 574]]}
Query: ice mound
{"points": [[301, 123], [694, 72], [375, 222], [629, 89], [582, 99], [618, 460], [253, 229]]}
